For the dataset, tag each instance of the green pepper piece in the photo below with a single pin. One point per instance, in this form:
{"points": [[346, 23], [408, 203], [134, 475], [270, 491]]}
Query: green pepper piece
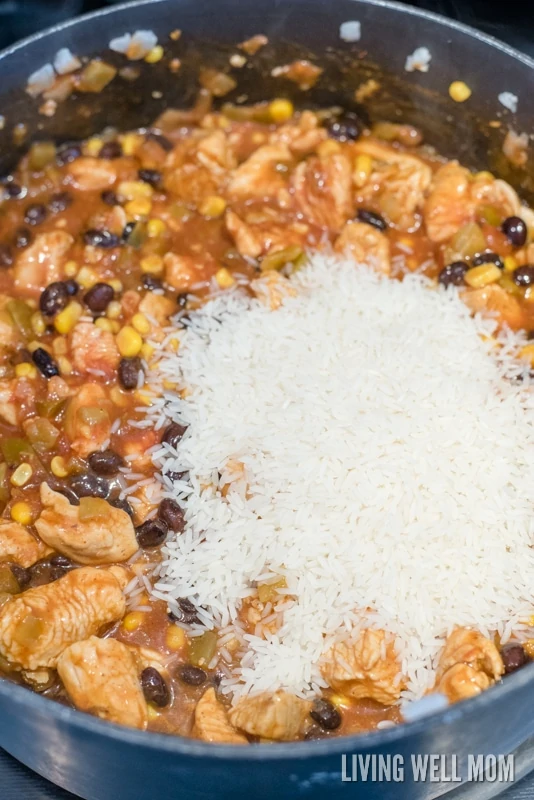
{"points": [[15, 450], [202, 648], [21, 313]]}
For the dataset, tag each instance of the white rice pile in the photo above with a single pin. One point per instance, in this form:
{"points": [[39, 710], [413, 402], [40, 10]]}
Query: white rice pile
{"points": [[389, 472]]}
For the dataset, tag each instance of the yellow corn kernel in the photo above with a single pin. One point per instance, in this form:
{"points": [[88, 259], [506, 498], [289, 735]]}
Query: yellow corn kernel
{"points": [[65, 367], [328, 148], [510, 263], [152, 713], [173, 345], [175, 638], [140, 207], [363, 166], [25, 370], [67, 319], [155, 55], [484, 175], [93, 146], [38, 324], [528, 647], [86, 277], [141, 324], [21, 513], [340, 700], [118, 397], [116, 285], [22, 475], [527, 352], [169, 385], [114, 310], [130, 143], [145, 398], [147, 351], [70, 269], [477, 277], [152, 264], [509, 285], [155, 227], [115, 326], [459, 91], [135, 190], [58, 467], [224, 278], [133, 621], [33, 346], [212, 206], [280, 110], [129, 342], [59, 346], [103, 323]]}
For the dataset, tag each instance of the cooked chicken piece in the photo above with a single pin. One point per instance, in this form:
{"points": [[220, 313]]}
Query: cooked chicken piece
{"points": [[93, 349], [17, 544], [8, 405], [367, 668], [262, 175], [41, 263], [95, 540], [182, 272], [280, 716], [272, 289], [136, 442], [211, 722], [157, 307], [497, 300], [101, 677], [468, 664], [260, 236], [145, 502], [215, 153], [92, 174], [248, 240], [323, 190], [302, 72], [366, 245], [112, 219], [399, 182], [302, 138], [87, 421], [196, 168], [36, 626]]}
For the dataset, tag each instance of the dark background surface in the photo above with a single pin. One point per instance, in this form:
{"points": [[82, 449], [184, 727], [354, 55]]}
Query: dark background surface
{"points": [[511, 21]]}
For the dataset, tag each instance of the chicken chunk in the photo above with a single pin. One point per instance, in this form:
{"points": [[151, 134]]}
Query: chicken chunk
{"points": [[197, 169], [280, 716], [88, 421], [183, 272], [323, 190], [17, 544], [36, 626], [301, 138], [367, 668], [92, 174], [157, 307], [272, 289], [101, 677], [93, 348], [366, 245], [496, 300], [248, 239], [468, 664], [8, 405], [93, 540], [261, 175], [462, 681], [211, 722], [41, 263]]}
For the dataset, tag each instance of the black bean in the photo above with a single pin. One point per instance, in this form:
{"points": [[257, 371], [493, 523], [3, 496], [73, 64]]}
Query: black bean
{"points": [[21, 575], [45, 363], [173, 434], [325, 714], [129, 369], [99, 297], [60, 566], [42, 572], [110, 150], [186, 612], [372, 218], [54, 298], [154, 688], [151, 176], [151, 283], [23, 237], [72, 287], [172, 515], [85, 484], [6, 256], [176, 476], [151, 533], [123, 505], [515, 230], [194, 676], [59, 202], [487, 258], [453, 274], [346, 128], [68, 153], [35, 214], [524, 276], [128, 228], [513, 657], [104, 239], [160, 139], [110, 198], [13, 189], [105, 462], [182, 300]]}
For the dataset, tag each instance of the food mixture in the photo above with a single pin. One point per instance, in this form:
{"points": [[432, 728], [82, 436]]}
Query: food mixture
{"points": [[170, 300]]}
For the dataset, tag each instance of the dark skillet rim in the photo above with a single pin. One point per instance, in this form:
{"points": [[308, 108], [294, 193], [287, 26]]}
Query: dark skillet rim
{"points": [[29, 701]]}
